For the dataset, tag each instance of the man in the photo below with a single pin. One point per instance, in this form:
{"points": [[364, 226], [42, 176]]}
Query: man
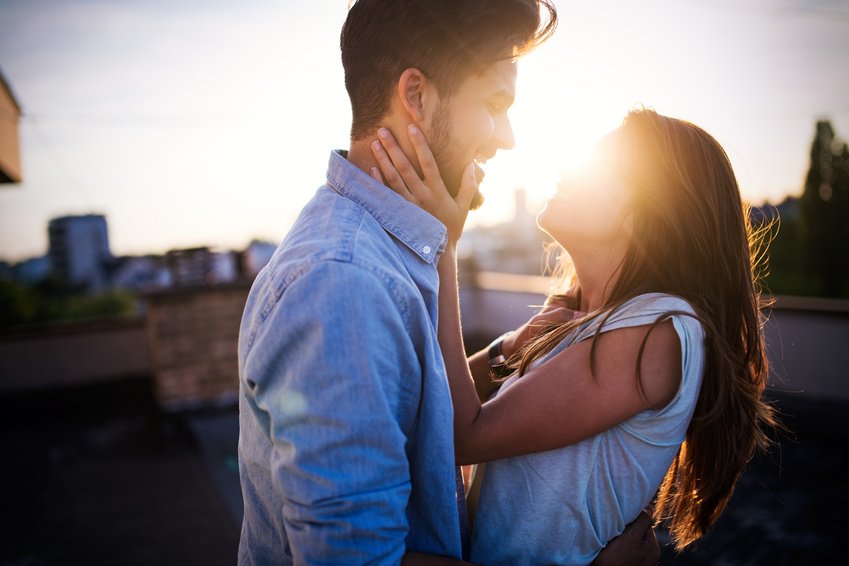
{"points": [[346, 444]]}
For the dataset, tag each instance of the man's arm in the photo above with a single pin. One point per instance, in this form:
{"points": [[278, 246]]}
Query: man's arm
{"points": [[636, 546], [326, 369]]}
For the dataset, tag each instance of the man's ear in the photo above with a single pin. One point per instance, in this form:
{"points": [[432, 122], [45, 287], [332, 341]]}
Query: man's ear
{"points": [[417, 94]]}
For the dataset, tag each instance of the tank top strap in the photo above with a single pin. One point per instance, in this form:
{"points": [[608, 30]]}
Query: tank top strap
{"points": [[638, 311]]}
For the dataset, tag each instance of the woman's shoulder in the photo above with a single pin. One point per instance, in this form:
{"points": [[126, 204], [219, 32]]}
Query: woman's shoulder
{"points": [[651, 308], [683, 333], [658, 302]]}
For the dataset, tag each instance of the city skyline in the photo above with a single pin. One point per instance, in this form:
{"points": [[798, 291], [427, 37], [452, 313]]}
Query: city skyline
{"points": [[208, 123]]}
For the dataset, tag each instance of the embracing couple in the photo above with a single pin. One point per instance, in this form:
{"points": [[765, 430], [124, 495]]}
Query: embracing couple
{"points": [[633, 396]]}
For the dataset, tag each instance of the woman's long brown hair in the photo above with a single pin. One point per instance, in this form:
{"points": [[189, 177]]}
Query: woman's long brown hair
{"points": [[692, 238]]}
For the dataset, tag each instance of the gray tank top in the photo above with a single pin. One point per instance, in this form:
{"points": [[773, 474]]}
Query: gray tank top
{"points": [[562, 506]]}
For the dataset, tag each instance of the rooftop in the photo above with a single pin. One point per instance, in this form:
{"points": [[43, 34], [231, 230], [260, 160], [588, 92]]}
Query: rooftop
{"points": [[95, 475]]}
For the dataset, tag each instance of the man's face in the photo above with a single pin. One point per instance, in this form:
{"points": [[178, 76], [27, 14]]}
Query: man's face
{"points": [[473, 124]]}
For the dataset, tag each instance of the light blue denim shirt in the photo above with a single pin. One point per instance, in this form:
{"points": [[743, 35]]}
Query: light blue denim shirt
{"points": [[346, 450]]}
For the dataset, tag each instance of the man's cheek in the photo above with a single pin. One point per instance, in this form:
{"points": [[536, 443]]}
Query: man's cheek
{"points": [[486, 129]]}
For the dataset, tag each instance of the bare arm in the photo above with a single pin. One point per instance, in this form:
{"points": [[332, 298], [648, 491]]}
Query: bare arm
{"points": [[485, 383], [561, 402], [637, 545], [531, 415], [419, 559]]}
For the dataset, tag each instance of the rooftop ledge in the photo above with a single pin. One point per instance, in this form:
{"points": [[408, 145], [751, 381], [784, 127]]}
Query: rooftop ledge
{"points": [[515, 283]]}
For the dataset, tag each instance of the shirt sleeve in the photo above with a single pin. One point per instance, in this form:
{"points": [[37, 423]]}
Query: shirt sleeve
{"points": [[334, 369]]}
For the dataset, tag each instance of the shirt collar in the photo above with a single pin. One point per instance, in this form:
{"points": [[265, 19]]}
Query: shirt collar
{"points": [[422, 233]]}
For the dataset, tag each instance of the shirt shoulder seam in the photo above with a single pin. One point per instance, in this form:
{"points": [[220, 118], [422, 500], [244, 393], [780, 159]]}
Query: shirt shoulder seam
{"points": [[389, 283]]}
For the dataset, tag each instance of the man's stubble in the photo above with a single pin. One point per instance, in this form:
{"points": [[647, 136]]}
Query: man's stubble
{"points": [[445, 152]]}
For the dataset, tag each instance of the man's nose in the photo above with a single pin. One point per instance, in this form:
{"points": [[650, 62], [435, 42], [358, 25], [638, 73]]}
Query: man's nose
{"points": [[504, 133]]}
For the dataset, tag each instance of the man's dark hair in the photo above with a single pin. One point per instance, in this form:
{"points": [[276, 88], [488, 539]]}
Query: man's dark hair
{"points": [[447, 40]]}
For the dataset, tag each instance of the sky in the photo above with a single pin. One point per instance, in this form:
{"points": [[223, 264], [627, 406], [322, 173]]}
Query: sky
{"points": [[210, 122]]}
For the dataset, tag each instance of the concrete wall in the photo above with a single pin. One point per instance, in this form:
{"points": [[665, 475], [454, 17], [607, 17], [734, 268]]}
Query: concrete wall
{"points": [[189, 341], [493, 303], [193, 335], [807, 339], [809, 351], [73, 354]]}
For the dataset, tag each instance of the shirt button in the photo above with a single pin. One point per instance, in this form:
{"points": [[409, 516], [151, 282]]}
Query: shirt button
{"points": [[426, 250]]}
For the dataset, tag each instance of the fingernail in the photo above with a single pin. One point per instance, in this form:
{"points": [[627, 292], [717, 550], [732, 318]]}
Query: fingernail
{"points": [[374, 172], [413, 129], [383, 132], [376, 146]]}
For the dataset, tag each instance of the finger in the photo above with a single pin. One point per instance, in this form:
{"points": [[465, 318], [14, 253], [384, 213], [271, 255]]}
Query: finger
{"points": [[564, 314], [427, 162], [559, 314], [375, 174], [468, 187], [390, 175], [557, 301], [545, 315], [402, 164], [636, 530], [642, 525], [553, 309]]}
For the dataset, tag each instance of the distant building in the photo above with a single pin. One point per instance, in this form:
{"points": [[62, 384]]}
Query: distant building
{"points": [[79, 251], [33, 270], [516, 246], [10, 152], [195, 267], [788, 209], [27, 272], [523, 219], [225, 266], [256, 256], [190, 267], [145, 273]]}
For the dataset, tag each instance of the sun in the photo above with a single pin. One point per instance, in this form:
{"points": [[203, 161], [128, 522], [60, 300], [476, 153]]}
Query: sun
{"points": [[553, 136]]}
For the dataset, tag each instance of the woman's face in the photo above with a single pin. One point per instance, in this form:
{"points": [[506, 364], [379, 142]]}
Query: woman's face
{"points": [[591, 205]]}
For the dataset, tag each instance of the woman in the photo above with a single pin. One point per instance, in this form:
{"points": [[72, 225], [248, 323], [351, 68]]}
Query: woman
{"points": [[645, 383]]}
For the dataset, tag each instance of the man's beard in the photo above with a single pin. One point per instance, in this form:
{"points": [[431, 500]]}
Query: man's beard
{"points": [[445, 153]]}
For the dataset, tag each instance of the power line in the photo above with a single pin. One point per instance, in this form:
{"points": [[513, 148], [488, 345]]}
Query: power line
{"points": [[793, 9], [151, 120], [48, 147]]}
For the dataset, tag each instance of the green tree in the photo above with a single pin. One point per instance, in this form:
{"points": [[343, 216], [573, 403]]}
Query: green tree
{"points": [[48, 302], [18, 304], [824, 219], [787, 272]]}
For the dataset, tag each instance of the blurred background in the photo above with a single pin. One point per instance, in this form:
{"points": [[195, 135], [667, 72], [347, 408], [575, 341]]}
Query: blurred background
{"points": [[153, 154]]}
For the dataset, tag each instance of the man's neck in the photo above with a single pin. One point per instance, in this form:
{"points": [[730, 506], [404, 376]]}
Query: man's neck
{"points": [[361, 155]]}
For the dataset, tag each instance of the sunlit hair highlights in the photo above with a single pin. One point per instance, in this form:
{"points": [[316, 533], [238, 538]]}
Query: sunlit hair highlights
{"points": [[692, 238], [447, 40]]}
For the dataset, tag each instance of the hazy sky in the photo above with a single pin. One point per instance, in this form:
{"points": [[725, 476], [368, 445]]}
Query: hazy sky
{"points": [[205, 122]]}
